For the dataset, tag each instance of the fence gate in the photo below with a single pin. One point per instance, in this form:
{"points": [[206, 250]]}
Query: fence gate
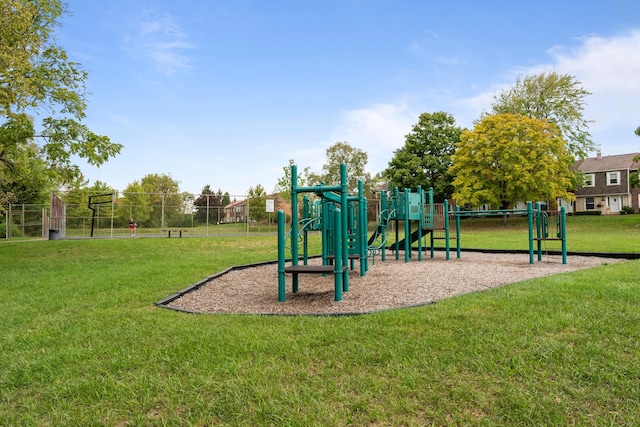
{"points": [[57, 215]]}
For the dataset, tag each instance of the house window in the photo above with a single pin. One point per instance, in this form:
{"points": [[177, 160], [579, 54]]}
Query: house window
{"points": [[613, 178], [590, 203], [589, 180]]}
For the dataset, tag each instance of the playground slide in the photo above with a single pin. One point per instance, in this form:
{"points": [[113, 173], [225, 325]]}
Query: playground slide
{"points": [[375, 235], [414, 237]]}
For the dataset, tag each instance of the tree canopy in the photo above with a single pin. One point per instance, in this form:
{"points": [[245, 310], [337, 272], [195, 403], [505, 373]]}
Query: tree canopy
{"points": [[257, 203], [43, 99], [209, 204], [509, 158], [156, 198], [425, 158], [355, 160], [559, 98]]}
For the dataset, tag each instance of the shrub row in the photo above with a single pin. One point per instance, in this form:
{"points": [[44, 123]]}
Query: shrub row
{"points": [[587, 212]]}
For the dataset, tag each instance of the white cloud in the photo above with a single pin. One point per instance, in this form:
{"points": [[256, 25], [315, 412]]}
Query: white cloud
{"points": [[609, 65], [377, 130], [162, 40], [609, 68]]}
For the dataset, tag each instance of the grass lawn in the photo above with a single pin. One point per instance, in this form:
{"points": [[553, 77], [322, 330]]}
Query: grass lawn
{"points": [[83, 344]]}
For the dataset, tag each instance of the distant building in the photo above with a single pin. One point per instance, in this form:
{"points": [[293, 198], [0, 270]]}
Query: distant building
{"points": [[607, 186], [236, 211]]}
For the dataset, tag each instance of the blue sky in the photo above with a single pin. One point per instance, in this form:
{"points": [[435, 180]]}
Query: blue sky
{"points": [[226, 92]]}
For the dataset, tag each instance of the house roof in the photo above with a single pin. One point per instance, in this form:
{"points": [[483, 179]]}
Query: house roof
{"points": [[609, 163], [236, 203]]}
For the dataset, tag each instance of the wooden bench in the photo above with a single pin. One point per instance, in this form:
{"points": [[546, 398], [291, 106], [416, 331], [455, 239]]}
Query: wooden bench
{"points": [[168, 231]]}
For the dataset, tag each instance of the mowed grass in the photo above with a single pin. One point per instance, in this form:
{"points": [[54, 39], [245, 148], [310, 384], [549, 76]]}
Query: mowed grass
{"points": [[83, 344]]}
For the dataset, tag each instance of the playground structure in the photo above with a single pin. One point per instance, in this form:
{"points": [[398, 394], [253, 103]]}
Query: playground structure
{"points": [[342, 221], [421, 217], [434, 220], [537, 219]]}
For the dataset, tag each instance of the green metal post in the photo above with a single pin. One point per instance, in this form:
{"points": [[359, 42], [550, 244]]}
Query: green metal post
{"points": [[421, 214], [306, 214], [458, 230], [338, 274], [363, 229], [563, 231], [324, 229], [530, 220], [384, 222], [344, 223], [294, 224], [539, 230], [407, 227], [351, 231], [432, 221], [446, 228], [396, 206], [281, 256]]}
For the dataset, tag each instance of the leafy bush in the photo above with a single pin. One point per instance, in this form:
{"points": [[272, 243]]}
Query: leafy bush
{"points": [[626, 210], [595, 212]]}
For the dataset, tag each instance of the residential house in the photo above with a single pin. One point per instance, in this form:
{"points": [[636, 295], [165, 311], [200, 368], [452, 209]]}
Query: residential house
{"points": [[607, 187], [236, 211]]}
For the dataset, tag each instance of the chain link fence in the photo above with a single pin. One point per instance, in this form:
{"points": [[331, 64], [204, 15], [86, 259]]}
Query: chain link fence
{"points": [[110, 218], [106, 215]]}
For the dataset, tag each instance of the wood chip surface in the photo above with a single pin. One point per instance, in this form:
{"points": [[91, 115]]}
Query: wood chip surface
{"points": [[386, 285]]}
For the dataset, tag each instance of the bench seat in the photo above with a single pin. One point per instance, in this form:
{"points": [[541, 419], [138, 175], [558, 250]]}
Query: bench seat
{"points": [[311, 269]]}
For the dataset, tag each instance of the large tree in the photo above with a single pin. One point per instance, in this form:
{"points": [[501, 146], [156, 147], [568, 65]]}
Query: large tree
{"points": [[356, 162], [559, 98], [509, 158], [43, 99], [425, 158], [136, 203], [77, 195], [209, 205], [155, 201]]}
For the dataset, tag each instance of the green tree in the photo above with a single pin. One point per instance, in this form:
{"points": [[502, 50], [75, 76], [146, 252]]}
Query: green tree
{"points": [[356, 161], [156, 201], [283, 186], [257, 203], [137, 204], [76, 199], [214, 201], [425, 158], [37, 80], [509, 158], [559, 98], [26, 179]]}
